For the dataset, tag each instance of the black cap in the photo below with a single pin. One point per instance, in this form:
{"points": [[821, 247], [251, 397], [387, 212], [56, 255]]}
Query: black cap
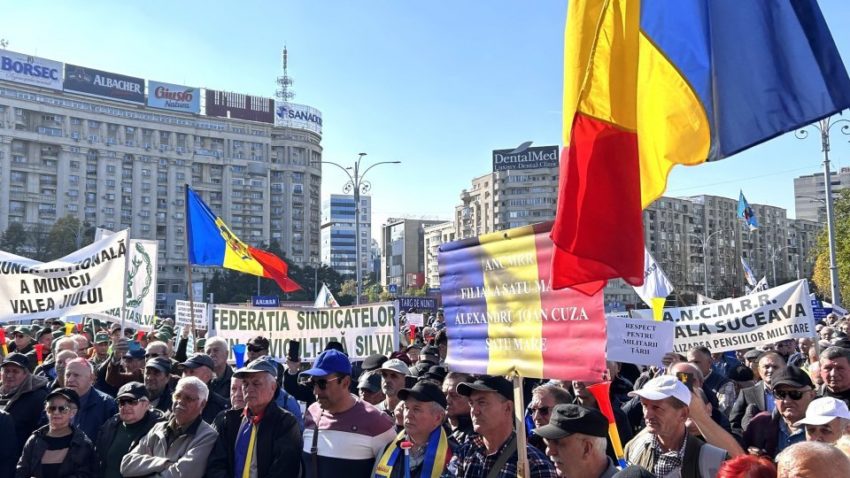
{"points": [[374, 362], [569, 418], [633, 471], [488, 383], [135, 354], [791, 376], [436, 372], [41, 333], [420, 369], [163, 364], [198, 360], [133, 390], [65, 393], [430, 354], [259, 342], [741, 373], [424, 392], [843, 342], [335, 345], [16, 358]]}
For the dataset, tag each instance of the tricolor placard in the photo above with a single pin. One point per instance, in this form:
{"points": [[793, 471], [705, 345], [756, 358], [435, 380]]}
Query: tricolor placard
{"points": [[503, 316]]}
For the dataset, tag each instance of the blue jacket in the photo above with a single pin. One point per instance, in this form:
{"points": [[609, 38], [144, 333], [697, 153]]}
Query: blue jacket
{"points": [[95, 408], [287, 402]]}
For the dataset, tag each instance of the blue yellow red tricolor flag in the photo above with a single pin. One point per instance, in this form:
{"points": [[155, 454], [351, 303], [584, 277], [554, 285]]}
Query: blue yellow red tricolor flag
{"points": [[212, 243], [650, 84], [503, 317]]}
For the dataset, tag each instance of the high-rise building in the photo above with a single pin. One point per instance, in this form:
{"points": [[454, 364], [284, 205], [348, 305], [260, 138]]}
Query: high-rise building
{"points": [[403, 252], [434, 237], [810, 193], [339, 239], [104, 148]]}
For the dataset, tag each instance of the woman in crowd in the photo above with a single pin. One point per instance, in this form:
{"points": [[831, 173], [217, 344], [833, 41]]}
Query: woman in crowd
{"points": [[58, 449]]}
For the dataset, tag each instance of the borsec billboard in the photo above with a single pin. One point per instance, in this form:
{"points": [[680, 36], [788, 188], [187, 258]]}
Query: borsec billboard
{"points": [[174, 97], [530, 158], [292, 115], [93, 82], [30, 70]]}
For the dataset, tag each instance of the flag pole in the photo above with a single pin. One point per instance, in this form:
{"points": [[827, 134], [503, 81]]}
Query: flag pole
{"points": [[521, 441], [125, 292], [189, 263]]}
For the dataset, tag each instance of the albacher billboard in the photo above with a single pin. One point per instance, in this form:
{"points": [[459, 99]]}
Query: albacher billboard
{"points": [[114, 86], [530, 158], [174, 97], [292, 115], [30, 70]]}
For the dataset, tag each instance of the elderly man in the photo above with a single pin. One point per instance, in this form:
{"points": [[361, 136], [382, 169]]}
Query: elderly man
{"points": [[22, 395], [179, 446], [123, 431], [772, 432], [48, 368], [100, 352], [201, 366], [457, 407], [492, 405], [664, 446], [576, 440], [393, 373], [424, 412], [714, 383], [342, 434], [758, 398], [369, 388], [158, 383], [261, 424], [835, 371], [218, 351], [22, 342], [95, 406], [801, 358], [587, 400], [543, 400], [827, 419], [811, 459]]}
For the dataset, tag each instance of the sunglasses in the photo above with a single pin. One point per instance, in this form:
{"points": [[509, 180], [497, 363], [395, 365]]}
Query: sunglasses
{"points": [[792, 394], [322, 383], [541, 410], [63, 409], [127, 401], [150, 356], [254, 349]]}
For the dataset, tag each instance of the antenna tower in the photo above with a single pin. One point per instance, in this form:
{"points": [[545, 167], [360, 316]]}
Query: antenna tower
{"points": [[284, 83]]}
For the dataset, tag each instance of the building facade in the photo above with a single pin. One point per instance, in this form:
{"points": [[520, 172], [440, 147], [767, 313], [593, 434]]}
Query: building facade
{"points": [[339, 239], [403, 252], [117, 164], [434, 237], [810, 192]]}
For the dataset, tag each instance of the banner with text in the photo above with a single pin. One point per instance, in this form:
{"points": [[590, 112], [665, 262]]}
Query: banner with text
{"points": [[181, 314], [86, 281], [639, 341], [783, 312], [503, 316], [363, 330]]}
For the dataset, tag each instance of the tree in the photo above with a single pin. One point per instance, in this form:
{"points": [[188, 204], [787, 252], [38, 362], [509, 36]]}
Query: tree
{"points": [[841, 221], [66, 236], [14, 240]]}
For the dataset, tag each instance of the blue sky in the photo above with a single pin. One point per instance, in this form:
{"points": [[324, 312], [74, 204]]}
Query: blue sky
{"points": [[436, 85]]}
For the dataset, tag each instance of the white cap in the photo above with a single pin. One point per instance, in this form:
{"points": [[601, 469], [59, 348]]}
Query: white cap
{"points": [[664, 386], [396, 365], [824, 410]]}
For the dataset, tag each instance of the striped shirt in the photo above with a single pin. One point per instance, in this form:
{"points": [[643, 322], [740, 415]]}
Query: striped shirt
{"points": [[348, 442]]}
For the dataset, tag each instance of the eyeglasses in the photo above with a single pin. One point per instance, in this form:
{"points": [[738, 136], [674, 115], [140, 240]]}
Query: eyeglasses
{"points": [[255, 349], [322, 383], [63, 409], [541, 410], [127, 401], [792, 394]]}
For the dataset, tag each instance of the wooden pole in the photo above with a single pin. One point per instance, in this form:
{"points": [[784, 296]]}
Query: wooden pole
{"points": [[521, 442], [189, 267]]}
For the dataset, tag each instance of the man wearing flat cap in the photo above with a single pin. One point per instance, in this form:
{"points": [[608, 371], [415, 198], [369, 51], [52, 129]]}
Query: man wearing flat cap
{"points": [[576, 439], [495, 447], [428, 447]]}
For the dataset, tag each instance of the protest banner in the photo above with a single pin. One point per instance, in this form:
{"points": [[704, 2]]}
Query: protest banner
{"points": [[783, 312], [639, 341], [504, 318], [362, 330], [89, 280], [416, 319], [141, 285], [181, 314]]}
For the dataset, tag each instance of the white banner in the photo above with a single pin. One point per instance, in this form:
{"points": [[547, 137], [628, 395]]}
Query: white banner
{"points": [[86, 281], [362, 330], [638, 341], [783, 312], [181, 314], [415, 319], [141, 285]]}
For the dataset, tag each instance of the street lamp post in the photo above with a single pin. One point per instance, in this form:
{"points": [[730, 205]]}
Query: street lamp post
{"points": [[773, 253], [824, 127], [357, 185], [704, 244]]}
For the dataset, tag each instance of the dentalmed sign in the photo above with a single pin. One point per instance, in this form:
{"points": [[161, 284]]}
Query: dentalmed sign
{"points": [[30, 70]]}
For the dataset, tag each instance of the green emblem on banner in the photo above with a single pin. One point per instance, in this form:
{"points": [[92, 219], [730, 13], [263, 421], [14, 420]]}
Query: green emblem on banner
{"points": [[140, 258]]}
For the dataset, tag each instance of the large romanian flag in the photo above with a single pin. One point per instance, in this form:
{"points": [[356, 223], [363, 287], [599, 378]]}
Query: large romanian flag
{"points": [[212, 243], [649, 84]]}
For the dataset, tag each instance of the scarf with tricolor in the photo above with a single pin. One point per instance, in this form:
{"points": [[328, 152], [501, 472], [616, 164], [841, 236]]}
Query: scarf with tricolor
{"points": [[437, 455], [246, 439]]}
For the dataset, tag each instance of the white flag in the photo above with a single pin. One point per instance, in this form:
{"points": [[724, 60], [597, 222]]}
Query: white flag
{"points": [[655, 282], [748, 273], [702, 300], [325, 298], [761, 285]]}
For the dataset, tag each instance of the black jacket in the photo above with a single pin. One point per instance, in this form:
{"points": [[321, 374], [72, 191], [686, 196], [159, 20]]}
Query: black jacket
{"points": [[9, 448], [110, 428], [279, 444], [26, 407], [215, 405], [79, 462]]}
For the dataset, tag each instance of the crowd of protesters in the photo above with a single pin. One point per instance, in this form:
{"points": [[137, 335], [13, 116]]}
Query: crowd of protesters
{"points": [[99, 401]]}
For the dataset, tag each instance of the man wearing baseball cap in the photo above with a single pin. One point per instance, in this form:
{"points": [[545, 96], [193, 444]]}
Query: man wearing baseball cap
{"points": [[22, 395], [122, 431], [342, 433], [495, 445], [576, 440], [429, 449], [664, 446], [201, 366], [369, 388], [274, 430], [826, 420], [393, 376]]}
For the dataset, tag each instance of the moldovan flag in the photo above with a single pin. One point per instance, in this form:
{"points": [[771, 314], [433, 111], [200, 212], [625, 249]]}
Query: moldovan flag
{"points": [[656, 286], [212, 243], [649, 85]]}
